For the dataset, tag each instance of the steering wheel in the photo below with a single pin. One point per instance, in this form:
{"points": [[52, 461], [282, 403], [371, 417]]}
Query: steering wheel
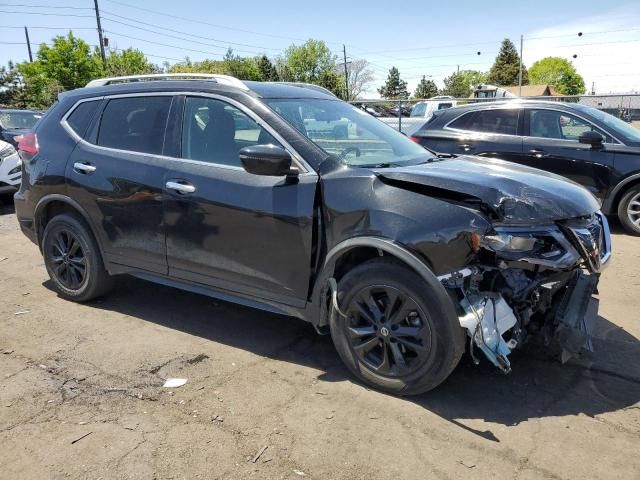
{"points": [[344, 152]]}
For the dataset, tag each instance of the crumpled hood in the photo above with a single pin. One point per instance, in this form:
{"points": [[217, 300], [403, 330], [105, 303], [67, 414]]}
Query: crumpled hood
{"points": [[513, 193]]}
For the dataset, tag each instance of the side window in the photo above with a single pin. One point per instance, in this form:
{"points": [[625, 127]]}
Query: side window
{"points": [[214, 131], [81, 117], [135, 123], [419, 110], [504, 121], [559, 125]]}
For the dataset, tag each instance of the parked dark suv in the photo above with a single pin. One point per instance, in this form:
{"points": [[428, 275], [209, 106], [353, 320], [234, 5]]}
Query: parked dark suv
{"points": [[247, 192], [592, 148], [15, 123]]}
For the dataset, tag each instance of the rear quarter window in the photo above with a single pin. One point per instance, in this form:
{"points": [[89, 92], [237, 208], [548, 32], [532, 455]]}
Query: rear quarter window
{"points": [[503, 121], [82, 115]]}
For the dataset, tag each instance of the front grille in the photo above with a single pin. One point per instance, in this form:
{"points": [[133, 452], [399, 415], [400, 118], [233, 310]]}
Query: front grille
{"points": [[593, 241]]}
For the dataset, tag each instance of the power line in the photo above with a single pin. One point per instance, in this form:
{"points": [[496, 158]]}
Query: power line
{"points": [[22, 12], [43, 6], [498, 42], [180, 32], [49, 28], [163, 44], [201, 22]]}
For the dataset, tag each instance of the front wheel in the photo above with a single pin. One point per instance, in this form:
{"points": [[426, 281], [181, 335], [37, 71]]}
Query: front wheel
{"points": [[629, 211], [397, 335], [73, 260]]}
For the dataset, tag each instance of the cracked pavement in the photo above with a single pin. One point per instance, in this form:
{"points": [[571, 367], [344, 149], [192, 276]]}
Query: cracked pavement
{"points": [[257, 379]]}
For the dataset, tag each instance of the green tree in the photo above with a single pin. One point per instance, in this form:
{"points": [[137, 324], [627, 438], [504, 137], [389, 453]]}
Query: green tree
{"points": [[311, 62], [425, 89], [461, 84], [241, 67], [268, 69], [473, 77], [506, 68], [34, 88], [69, 62], [558, 72], [394, 87], [205, 66], [11, 85], [129, 62], [457, 85]]}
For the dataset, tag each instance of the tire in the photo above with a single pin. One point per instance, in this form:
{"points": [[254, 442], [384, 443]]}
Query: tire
{"points": [[428, 339], [629, 210], [73, 259]]}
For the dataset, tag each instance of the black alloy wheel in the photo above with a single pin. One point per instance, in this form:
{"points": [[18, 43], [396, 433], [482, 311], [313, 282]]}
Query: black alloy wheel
{"points": [[388, 331], [400, 332], [67, 259], [73, 259]]}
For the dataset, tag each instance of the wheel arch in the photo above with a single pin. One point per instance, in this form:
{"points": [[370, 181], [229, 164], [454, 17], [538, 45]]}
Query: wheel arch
{"points": [[610, 205], [354, 251], [55, 204]]}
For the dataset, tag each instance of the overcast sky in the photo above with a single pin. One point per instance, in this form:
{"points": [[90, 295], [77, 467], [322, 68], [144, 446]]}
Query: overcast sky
{"points": [[419, 37]]}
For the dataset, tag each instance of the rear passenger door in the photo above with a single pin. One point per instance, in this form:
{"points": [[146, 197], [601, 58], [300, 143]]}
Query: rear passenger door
{"points": [[117, 173], [487, 133]]}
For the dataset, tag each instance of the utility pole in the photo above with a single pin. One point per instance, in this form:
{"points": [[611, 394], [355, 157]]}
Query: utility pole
{"points": [[104, 58], [26, 34], [520, 73], [346, 74]]}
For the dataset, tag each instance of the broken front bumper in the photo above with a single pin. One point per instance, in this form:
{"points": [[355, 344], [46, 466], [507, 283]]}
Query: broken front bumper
{"points": [[554, 298]]}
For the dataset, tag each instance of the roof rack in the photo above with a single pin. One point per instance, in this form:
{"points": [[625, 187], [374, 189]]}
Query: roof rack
{"points": [[221, 79]]}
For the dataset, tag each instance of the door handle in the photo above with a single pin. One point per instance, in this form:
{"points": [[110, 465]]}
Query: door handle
{"points": [[84, 168], [538, 153], [180, 187]]}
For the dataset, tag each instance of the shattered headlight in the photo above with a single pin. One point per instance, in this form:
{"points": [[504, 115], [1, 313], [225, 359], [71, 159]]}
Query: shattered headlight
{"points": [[542, 246]]}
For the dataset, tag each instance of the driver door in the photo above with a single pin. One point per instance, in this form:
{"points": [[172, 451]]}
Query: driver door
{"points": [[551, 144], [235, 231]]}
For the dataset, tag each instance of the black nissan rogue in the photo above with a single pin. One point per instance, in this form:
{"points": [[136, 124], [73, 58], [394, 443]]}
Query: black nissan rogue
{"points": [[282, 197]]}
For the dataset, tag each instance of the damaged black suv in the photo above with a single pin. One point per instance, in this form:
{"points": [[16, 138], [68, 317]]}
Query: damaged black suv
{"points": [[282, 197]]}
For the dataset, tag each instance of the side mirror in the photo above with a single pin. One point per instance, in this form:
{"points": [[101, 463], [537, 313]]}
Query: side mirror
{"points": [[267, 160], [591, 138]]}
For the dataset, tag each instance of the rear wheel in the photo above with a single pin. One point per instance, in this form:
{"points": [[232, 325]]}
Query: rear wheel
{"points": [[73, 260], [397, 336], [629, 210]]}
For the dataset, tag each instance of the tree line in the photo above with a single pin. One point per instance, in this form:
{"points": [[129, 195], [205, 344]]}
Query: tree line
{"points": [[70, 63], [505, 71]]}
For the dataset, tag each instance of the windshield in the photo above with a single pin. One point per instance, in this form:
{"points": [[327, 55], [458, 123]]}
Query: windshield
{"points": [[350, 134], [623, 128], [24, 120]]}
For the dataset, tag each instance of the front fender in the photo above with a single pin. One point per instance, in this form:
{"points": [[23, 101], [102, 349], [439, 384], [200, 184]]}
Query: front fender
{"points": [[388, 247]]}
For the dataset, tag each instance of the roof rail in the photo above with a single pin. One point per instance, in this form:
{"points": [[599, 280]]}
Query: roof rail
{"points": [[221, 79], [309, 86]]}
